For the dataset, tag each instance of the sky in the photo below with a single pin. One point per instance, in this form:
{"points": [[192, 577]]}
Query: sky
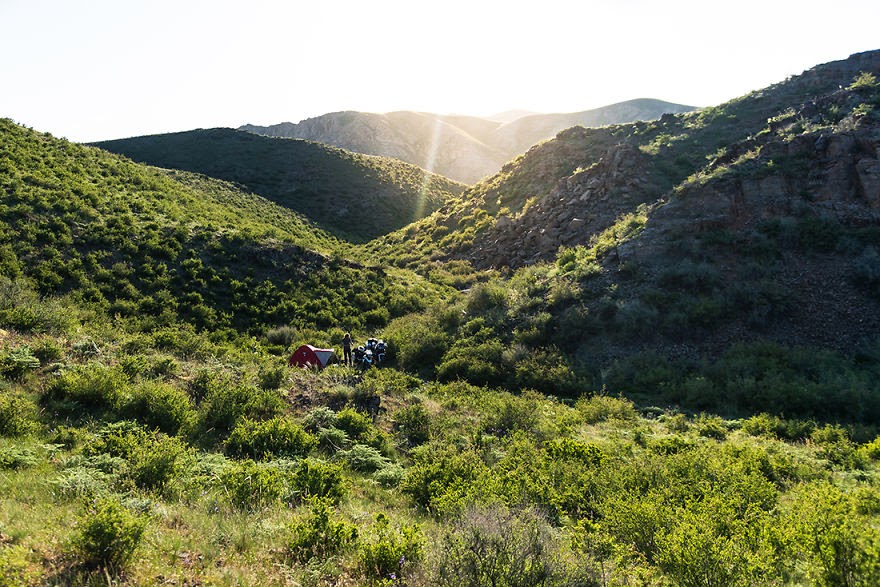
{"points": [[91, 70]]}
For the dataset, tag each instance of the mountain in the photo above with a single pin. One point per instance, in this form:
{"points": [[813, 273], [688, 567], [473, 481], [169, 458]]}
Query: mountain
{"points": [[355, 196], [668, 251], [464, 148]]}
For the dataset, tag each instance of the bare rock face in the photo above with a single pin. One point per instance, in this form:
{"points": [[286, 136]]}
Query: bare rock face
{"points": [[582, 205]]}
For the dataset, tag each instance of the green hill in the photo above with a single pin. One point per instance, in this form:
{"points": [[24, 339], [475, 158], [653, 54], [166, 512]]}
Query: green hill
{"points": [[155, 247], [356, 197]]}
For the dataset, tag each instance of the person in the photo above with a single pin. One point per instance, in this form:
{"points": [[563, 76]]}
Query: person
{"points": [[346, 350]]}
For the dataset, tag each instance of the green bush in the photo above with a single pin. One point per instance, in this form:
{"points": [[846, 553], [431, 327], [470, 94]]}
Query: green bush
{"points": [[441, 476], [154, 459], [412, 425], [601, 408], [418, 342], [14, 457], [842, 546], [320, 534], [492, 546], [226, 403], [18, 415], [253, 486], [271, 378], [276, 437], [358, 426], [361, 457], [512, 414], [158, 461], [90, 386], [18, 362], [157, 405], [316, 478], [282, 336], [109, 534], [388, 553]]}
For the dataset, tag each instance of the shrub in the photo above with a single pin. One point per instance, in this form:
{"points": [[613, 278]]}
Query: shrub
{"points": [[272, 378], [545, 370], [389, 476], [91, 386], [18, 362], [276, 437], [388, 553], [109, 534], [157, 405], [711, 427], [282, 336], [253, 486], [320, 417], [494, 546], [357, 425], [512, 414], [155, 463], [226, 403], [22, 309], [18, 415], [411, 425], [15, 569], [418, 341], [772, 426], [601, 408], [363, 458], [47, 350], [441, 476], [17, 458], [320, 534], [316, 478]]}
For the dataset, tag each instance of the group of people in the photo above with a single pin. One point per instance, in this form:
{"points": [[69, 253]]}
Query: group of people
{"points": [[365, 355]]}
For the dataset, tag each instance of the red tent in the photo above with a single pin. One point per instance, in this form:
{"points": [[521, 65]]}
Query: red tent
{"points": [[308, 356]]}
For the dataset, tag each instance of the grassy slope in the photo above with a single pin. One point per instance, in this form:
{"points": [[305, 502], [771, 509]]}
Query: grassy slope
{"points": [[354, 196], [154, 247]]}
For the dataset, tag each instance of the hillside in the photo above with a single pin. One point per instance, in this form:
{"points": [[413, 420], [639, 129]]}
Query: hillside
{"points": [[354, 196], [154, 248], [681, 388], [464, 148], [659, 255]]}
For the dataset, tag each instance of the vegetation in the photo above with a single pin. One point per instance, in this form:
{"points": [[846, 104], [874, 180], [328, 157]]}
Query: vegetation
{"points": [[527, 429], [357, 197]]}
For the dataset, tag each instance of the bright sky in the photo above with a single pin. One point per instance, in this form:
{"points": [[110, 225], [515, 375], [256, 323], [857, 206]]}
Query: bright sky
{"points": [[103, 69]]}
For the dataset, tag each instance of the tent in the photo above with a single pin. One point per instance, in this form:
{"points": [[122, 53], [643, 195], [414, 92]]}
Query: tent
{"points": [[308, 356]]}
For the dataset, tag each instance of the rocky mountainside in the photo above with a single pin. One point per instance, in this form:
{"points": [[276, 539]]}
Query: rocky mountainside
{"points": [[758, 219], [355, 196], [566, 191], [464, 148]]}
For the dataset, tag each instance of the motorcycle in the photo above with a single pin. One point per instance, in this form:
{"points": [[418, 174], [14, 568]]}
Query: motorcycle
{"points": [[363, 358]]}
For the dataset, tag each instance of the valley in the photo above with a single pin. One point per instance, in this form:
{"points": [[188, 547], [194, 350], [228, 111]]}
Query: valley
{"points": [[640, 352]]}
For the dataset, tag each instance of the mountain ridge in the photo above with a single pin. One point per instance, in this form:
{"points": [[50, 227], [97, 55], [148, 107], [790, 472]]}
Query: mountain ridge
{"points": [[353, 195], [464, 148]]}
